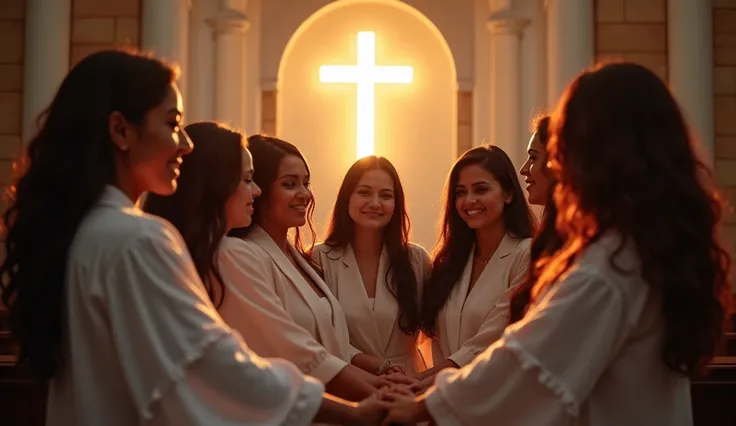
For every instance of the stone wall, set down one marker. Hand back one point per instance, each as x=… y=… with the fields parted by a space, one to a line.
x=99 y=25
x=724 y=55
x=632 y=30
x=464 y=121
x=12 y=14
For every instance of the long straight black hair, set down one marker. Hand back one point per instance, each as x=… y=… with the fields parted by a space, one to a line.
x=457 y=238
x=404 y=285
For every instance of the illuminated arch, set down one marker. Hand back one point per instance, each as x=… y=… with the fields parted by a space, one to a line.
x=336 y=5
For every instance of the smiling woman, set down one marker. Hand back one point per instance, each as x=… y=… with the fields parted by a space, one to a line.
x=272 y=282
x=369 y=233
x=483 y=251
x=103 y=298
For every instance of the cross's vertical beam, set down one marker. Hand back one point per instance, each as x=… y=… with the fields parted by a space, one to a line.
x=366 y=95
x=365 y=75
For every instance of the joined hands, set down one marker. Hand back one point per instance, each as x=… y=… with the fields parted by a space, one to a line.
x=396 y=402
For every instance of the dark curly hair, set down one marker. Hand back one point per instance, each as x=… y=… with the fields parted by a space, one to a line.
x=65 y=169
x=396 y=238
x=209 y=176
x=457 y=238
x=626 y=161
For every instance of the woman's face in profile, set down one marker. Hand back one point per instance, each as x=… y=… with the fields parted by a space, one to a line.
x=150 y=154
x=534 y=170
x=239 y=207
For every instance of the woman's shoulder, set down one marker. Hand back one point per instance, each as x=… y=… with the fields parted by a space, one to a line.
x=519 y=247
x=327 y=252
x=418 y=251
x=321 y=248
x=238 y=247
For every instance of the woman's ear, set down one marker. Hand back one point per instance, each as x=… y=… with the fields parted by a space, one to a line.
x=509 y=198
x=121 y=132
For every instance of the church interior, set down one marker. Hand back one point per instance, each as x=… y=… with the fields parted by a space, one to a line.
x=453 y=74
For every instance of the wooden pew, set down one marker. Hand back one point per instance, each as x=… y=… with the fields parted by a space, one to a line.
x=22 y=400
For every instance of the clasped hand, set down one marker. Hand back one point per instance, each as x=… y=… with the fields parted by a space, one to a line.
x=394 y=403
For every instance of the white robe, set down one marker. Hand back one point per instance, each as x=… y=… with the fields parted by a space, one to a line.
x=374 y=326
x=588 y=353
x=276 y=310
x=143 y=344
x=472 y=321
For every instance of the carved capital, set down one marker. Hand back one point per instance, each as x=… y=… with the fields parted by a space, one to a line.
x=229 y=21
x=510 y=26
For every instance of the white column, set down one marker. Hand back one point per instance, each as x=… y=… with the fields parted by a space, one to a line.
x=506 y=85
x=165 y=32
x=46 y=60
x=690 y=56
x=570 y=38
x=230 y=26
x=201 y=67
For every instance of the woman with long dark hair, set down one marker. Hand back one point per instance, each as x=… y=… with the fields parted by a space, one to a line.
x=215 y=195
x=482 y=255
x=274 y=283
x=540 y=185
x=539 y=180
x=103 y=298
x=373 y=269
x=633 y=304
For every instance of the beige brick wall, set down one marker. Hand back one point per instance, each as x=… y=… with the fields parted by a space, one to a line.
x=632 y=30
x=12 y=14
x=268 y=112
x=724 y=74
x=464 y=121
x=99 y=25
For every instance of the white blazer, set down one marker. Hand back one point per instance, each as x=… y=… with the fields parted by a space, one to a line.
x=472 y=321
x=276 y=310
x=374 y=326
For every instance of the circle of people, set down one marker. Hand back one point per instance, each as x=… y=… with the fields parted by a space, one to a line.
x=157 y=274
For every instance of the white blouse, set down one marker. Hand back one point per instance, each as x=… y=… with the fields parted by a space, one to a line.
x=588 y=353
x=143 y=344
x=373 y=322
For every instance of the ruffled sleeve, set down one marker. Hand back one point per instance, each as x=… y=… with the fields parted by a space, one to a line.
x=175 y=351
x=550 y=360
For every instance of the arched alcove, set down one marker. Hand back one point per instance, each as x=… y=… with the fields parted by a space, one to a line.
x=415 y=124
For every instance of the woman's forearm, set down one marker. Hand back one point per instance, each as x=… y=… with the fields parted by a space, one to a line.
x=436 y=369
x=335 y=410
x=351 y=383
x=366 y=362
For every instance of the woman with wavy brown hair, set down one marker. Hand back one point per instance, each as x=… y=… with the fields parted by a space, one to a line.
x=540 y=186
x=633 y=304
x=373 y=269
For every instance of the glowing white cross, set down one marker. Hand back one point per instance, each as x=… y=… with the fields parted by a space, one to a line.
x=366 y=74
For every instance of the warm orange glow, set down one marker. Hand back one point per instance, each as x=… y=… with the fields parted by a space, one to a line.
x=366 y=74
